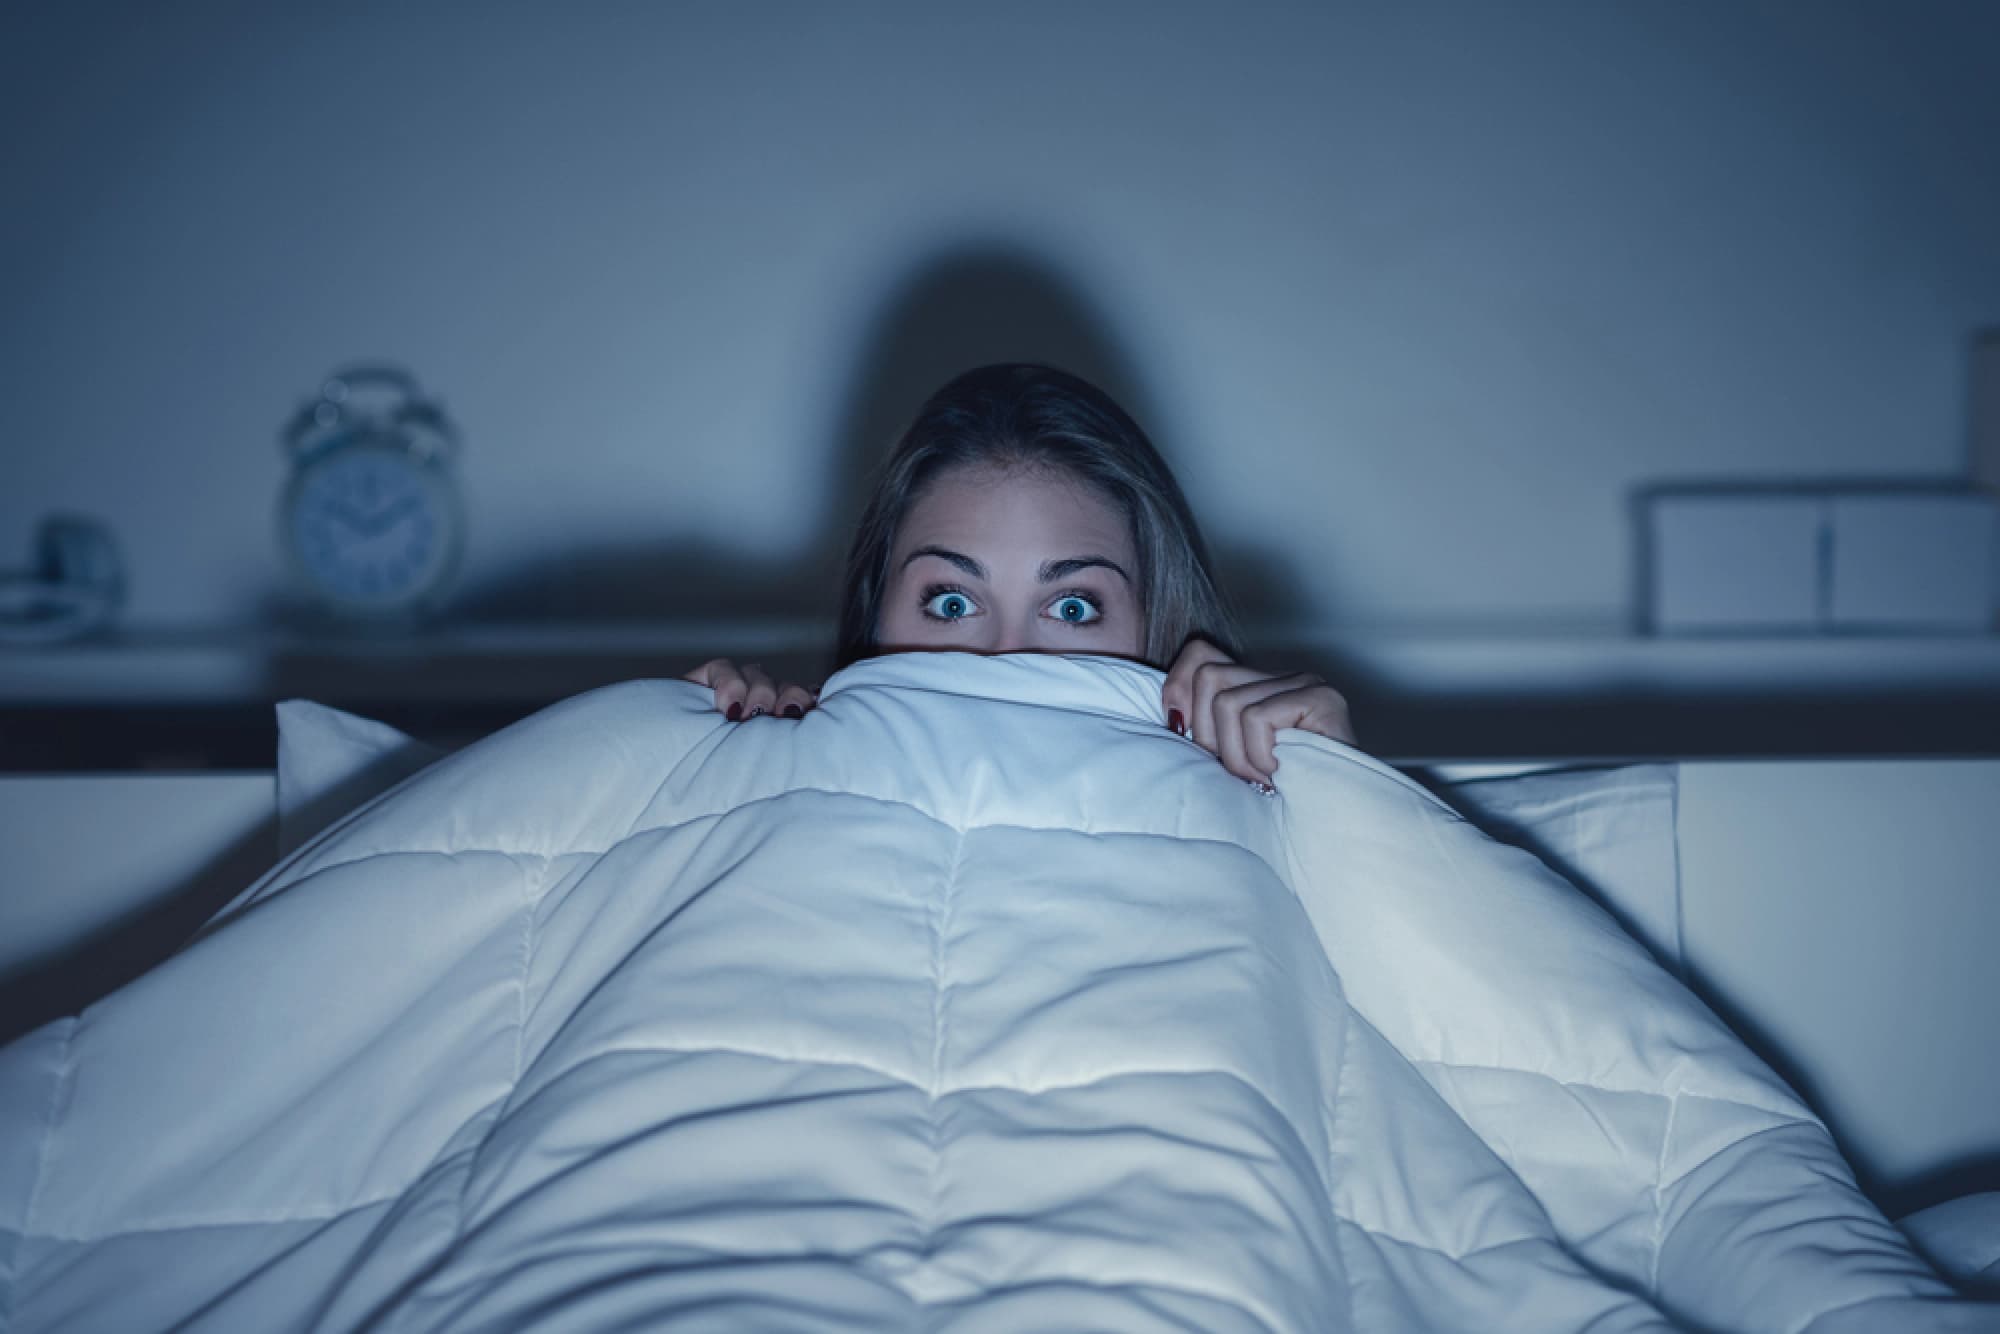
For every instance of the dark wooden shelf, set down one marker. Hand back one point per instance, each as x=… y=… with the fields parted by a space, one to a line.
x=203 y=701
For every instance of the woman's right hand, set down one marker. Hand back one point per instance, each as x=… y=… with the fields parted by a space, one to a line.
x=748 y=691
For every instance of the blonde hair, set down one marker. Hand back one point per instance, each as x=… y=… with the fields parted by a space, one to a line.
x=1022 y=415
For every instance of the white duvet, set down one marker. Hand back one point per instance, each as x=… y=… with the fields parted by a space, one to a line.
x=976 y=1000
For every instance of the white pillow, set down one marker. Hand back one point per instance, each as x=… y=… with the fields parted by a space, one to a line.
x=330 y=762
x=1610 y=831
x=1962 y=1238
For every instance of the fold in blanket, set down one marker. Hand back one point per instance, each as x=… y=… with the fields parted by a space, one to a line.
x=974 y=1000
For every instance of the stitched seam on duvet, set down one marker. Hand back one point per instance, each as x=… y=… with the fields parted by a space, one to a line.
x=261 y=1220
x=712 y=741
x=1327 y=1124
x=511 y=854
x=432 y=1169
x=910 y=1080
x=914 y=1080
x=560 y=854
x=1327 y=1128
x=832 y=792
x=1459 y=1258
x=939 y=921
x=1659 y=1198
x=1736 y=1143
x=1343 y=1247
x=255 y=1220
x=65 y=1071
x=1789 y=1117
x=1071 y=1280
x=1733 y=1144
x=531 y=897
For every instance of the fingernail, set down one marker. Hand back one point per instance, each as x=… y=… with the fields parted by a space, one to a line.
x=794 y=711
x=1176 y=722
x=736 y=712
x=1263 y=789
x=757 y=712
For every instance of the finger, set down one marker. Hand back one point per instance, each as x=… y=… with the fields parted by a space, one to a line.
x=1210 y=680
x=762 y=695
x=793 y=701
x=1177 y=692
x=1291 y=702
x=1235 y=722
x=704 y=675
x=729 y=686
x=1331 y=718
x=1322 y=710
x=1310 y=705
x=1261 y=722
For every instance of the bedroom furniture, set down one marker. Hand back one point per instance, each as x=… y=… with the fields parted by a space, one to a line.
x=201 y=699
x=1820 y=558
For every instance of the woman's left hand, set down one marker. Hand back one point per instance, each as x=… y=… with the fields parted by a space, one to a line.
x=1234 y=712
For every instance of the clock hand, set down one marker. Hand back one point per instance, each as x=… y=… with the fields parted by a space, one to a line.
x=347 y=518
x=386 y=519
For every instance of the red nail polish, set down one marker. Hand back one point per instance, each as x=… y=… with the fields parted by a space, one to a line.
x=1176 y=722
x=736 y=712
x=794 y=711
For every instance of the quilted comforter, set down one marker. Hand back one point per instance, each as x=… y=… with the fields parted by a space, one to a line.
x=975 y=1000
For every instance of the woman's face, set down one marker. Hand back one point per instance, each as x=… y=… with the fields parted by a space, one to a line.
x=992 y=561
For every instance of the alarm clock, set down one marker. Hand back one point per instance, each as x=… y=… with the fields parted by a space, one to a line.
x=370 y=522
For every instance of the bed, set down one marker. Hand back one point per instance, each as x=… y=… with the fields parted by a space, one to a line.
x=1579 y=1142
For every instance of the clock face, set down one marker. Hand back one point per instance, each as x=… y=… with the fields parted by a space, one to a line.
x=373 y=530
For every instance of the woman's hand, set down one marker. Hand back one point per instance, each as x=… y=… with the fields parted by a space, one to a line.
x=1234 y=712
x=747 y=691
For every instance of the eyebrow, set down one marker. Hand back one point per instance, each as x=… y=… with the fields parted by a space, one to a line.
x=1051 y=570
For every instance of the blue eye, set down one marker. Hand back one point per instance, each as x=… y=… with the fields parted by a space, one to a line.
x=947 y=604
x=1076 y=611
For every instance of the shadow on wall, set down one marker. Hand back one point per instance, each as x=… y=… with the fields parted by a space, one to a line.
x=64 y=982
x=970 y=306
x=1896 y=1197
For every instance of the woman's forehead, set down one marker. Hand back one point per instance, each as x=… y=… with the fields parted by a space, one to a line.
x=1031 y=516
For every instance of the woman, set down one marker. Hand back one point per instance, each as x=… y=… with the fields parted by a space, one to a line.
x=1024 y=512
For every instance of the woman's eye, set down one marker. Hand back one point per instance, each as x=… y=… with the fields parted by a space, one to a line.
x=1075 y=610
x=948 y=606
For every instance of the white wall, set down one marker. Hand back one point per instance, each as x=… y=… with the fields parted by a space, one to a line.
x=1412 y=295
x=1842 y=917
